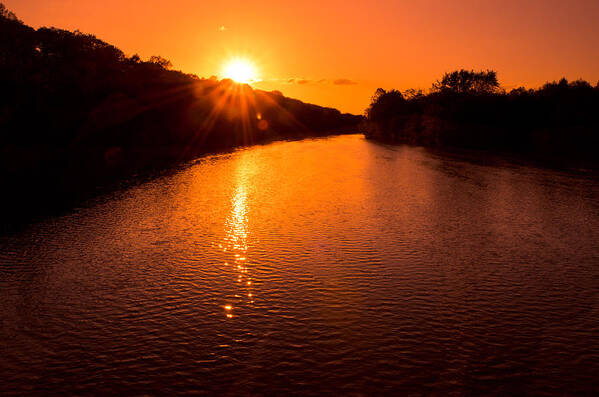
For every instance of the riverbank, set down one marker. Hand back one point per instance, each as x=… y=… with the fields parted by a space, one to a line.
x=469 y=110
x=550 y=160
x=77 y=113
x=47 y=181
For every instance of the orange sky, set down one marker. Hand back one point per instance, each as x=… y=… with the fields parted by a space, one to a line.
x=365 y=44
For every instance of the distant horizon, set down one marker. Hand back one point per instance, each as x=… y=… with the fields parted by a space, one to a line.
x=340 y=65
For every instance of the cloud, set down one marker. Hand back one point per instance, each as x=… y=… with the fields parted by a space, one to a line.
x=295 y=80
x=302 y=81
x=344 y=82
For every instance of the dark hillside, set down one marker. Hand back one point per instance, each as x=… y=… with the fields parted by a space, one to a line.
x=76 y=111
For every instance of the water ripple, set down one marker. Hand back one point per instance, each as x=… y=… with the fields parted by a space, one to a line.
x=331 y=266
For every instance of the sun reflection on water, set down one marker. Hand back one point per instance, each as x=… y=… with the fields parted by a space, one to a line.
x=236 y=233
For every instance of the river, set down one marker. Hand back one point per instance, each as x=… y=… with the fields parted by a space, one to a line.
x=327 y=266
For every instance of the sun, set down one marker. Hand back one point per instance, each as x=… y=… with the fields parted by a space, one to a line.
x=240 y=70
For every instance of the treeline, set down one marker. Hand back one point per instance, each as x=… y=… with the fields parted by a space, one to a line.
x=74 y=109
x=468 y=109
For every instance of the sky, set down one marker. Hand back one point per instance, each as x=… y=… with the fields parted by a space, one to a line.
x=337 y=53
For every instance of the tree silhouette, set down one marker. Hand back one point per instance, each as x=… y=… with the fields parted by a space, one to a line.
x=6 y=14
x=385 y=104
x=469 y=109
x=468 y=81
x=160 y=61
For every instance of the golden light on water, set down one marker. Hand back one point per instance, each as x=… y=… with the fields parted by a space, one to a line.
x=240 y=70
x=237 y=233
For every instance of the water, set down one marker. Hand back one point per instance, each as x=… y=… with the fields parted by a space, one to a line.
x=334 y=266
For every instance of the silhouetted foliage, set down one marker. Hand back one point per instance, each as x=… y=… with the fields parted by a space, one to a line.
x=74 y=109
x=468 y=81
x=468 y=109
x=7 y=14
x=160 y=61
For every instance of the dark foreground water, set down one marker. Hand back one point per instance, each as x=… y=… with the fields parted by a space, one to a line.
x=332 y=266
